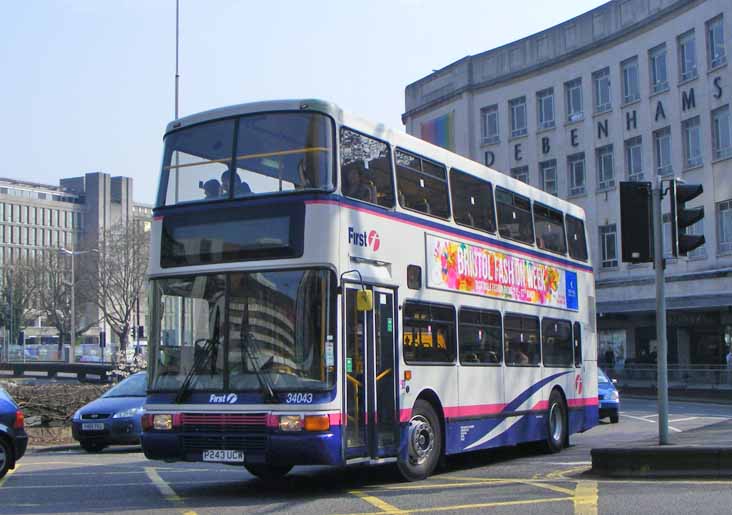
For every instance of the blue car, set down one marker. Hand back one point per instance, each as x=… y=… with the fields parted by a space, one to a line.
x=114 y=418
x=13 y=438
x=608 y=397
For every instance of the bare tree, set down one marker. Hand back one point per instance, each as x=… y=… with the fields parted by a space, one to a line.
x=53 y=274
x=122 y=267
x=18 y=294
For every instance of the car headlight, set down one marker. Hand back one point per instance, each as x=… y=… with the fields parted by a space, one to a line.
x=77 y=415
x=614 y=396
x=130 y=412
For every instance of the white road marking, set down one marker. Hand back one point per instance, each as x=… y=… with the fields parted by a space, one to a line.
x=569 y=463
x=643 y=419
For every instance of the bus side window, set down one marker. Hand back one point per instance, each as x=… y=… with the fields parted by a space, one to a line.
x=577 y=345
x=366 y=169
x=480 y=337
x=576 y=236
x=521 y=340
x=549 y=228
x=472 y=201
x=429 y=333
x=556 y=337
x=514 y=216
x=422 y=185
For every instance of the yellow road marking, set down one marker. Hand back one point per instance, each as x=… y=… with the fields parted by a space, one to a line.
x=530 y=482
x=161 y=485
x=10 y=472
x=375 y=501
x=561 y=474
x=470 y=506
x=585 y=498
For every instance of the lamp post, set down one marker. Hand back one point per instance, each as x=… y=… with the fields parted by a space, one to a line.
x=74 y=253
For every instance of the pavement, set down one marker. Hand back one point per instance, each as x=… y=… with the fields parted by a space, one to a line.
x=689 y=454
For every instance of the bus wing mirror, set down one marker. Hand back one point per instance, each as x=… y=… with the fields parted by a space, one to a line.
x=364 y=300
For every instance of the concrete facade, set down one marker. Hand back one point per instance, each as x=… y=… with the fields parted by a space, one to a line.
x=596 y=98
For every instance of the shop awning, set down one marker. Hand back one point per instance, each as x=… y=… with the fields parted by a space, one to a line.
x=718 y=301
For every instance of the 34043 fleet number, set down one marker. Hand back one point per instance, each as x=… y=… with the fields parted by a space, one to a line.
x=299 y=398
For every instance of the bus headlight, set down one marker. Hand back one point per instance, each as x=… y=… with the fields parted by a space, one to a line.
x=163 y=422
x=290 y=423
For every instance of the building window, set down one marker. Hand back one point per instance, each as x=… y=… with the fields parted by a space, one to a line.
x=518 y=116
x=573 y=93
x=631 y=86
x=520 y=173
x=662 y=151
x=715 y=42
x=725 y=225
x=576 y=167
x=691 y=130
x=607 y=246
x=601 y=81
x=548 y=176
x=545 y=108
x=634 y=159
x=687 y=56
x=721 y=137
x=697 y=229
x=605 y=173
x=489 y=124
x=657 y=62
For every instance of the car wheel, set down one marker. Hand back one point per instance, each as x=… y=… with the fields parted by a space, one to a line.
x=268 y=472
x=92 y=446
x=5 y=457
x=424 y=443
x=614 y=418
x=556 y=423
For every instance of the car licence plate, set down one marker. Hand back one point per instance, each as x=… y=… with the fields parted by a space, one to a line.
x=92 y=426
x=225 y=456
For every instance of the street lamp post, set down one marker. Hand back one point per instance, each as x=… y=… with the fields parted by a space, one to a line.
x=73 y=253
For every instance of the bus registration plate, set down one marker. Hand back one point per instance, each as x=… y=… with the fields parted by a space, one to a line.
x=225 y=456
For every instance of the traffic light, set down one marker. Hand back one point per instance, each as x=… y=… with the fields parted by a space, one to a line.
x=102 y=339
x=682 y=217
x=141 y=331
x=636 y=231
x=21 y=337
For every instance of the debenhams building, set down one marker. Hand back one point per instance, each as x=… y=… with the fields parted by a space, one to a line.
x=633 y=90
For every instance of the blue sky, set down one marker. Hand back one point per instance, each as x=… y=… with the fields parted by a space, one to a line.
x=87 y=85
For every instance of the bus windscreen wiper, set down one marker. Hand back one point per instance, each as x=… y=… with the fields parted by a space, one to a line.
x=200 y=360
x=265 y=385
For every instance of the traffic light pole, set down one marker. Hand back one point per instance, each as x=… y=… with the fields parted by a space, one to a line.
x=662 y=351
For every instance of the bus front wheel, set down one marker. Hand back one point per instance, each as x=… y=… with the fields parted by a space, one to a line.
x=424 y=443
x=556 y=424
x=268 y=472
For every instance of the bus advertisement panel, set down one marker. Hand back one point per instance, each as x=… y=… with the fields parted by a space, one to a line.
x=460 y=266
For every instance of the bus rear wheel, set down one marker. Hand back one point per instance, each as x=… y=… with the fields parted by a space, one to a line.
x=556 y=423
x=268 y=472
x=424 y=443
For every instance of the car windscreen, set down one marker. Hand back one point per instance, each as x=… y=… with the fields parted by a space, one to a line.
x=601 y=377
x=133 y=386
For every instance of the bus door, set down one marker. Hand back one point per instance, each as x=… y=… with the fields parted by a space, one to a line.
x=371 y=425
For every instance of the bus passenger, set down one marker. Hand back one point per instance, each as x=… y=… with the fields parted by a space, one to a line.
x=354 y=187
x=212 y=188
x=241 y=188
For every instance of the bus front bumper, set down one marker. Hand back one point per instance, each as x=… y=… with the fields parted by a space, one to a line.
x=274 y=448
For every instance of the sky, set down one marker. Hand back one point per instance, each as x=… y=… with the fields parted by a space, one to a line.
x=88 y=85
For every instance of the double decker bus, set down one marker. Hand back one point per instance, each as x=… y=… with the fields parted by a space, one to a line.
x=328 y=291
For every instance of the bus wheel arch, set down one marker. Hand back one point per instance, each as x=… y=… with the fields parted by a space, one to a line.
x=557 y=421
x=425 y=438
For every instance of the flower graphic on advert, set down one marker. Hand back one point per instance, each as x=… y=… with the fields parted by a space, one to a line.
x=452 y=277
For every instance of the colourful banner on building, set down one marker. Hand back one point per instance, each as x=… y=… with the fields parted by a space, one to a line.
x=463 y=267
x=440 y=131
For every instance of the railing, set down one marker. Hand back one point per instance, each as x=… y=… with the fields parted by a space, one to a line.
x=687 y=376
